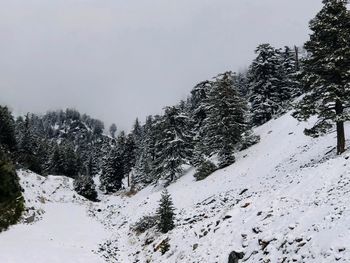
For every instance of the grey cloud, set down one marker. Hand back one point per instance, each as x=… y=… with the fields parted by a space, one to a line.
x=118 y=59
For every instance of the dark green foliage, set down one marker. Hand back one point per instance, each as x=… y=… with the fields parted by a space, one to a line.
x=291 y=85
x=145 y=223
x=65 y=161
x=326 y=72
x=145 y=158
x=164 y=246
x=85 y=186
x=265 y=82
x=173 y=148
x=165 y=213
x=11 y=200
x=112 y=172
x=249 y=139
x=29 y=147
x=129 y=154
x=7 y=129
x=204 y=170
x=226 y=157
x=225 y=121
x=39 y=137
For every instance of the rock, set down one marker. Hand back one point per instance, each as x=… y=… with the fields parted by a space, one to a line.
x=234 y=257
x=227 y=217
x=30 y=219
x=256 y=230
x=195 y=246
x=243 y=191
x=245 y=205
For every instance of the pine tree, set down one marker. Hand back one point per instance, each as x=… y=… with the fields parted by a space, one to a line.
x=205 y=169
x=327 y=72
x=291 y=86
x=92 y=168
x=265 y=81
x=57 y=161
x=129 y=156
x=72 y=162
x=145 y=158
x=28 y=147
x=112 y=172
x=11 y=200
x=137 y=134
x=225 y=121
x=85 y=186
x=198 y=115
x=165 y=213
x=7 y=129
x=174 y=147
x=241 y=83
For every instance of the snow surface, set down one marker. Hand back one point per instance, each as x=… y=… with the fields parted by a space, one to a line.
x=285 y=199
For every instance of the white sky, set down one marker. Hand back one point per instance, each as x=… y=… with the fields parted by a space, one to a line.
x=119 y=59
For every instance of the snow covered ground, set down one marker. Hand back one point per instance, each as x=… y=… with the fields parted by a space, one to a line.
x=285 y=199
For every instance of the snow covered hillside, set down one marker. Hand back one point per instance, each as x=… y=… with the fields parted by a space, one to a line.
x=285 y=199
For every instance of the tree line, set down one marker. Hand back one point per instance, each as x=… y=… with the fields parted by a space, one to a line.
x=205 y=130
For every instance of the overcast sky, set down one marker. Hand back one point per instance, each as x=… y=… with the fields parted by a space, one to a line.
x=119 y=59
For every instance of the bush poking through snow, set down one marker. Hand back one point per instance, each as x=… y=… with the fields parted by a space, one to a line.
x=84 y=186
x=166 y=214
x=163 y=246
x=204 y=170
x=145 y=223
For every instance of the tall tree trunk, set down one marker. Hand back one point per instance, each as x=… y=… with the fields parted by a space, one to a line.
x=340 y=128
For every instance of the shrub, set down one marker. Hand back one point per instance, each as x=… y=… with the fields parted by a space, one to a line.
x=85 y=186
x=145 y=223
x=204 y=170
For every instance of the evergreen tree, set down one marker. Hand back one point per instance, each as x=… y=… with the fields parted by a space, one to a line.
x=28 y=148
x=174 y=146
x=85 y=186
x=112 y=172
x=11 y=200
x=145 y=158
x=7 y=129
x=72 y=162
x=265 y=84
x=205 y=169
x=129 y=155
x=199 y=112
x=57 y=161
x=92 y=168
x=137 y=133
x=327 y=71
x=241 y=83
x=291 y=86
x=165 y=213
x=225 y=121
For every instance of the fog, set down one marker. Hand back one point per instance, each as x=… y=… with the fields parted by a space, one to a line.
x=117 y=60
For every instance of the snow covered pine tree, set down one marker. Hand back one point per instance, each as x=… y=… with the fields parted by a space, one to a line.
x=165 y=213
x=225 y=121
x=327 y=72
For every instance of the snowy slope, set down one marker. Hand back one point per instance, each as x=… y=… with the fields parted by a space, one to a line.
x=284 y=200
x=61 y=231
